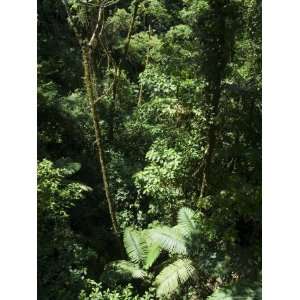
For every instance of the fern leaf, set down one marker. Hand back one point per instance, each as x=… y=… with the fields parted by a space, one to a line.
x=186 y=221
x=153 y=249
x=169 y=239
x=135 y=245
x=152 y=254
x=123 y=270
x=174 y=275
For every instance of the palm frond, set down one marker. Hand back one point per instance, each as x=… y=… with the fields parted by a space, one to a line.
x=153 y=249
x=173 y=276
x=186 y=222
x=153 y=253
x=169 y=238
x=135 y=245
x=123 y=270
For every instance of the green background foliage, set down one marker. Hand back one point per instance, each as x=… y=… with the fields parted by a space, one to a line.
x=180 y=118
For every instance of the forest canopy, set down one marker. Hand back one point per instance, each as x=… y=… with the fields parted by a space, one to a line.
x=149 y=149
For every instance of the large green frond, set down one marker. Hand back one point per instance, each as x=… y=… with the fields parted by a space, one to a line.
x=173 y=276
x=135 y=245
x=68 y=166
x=168 y=238
x=122 y=270
x=152 y=254
x=153 y=250
x=127 y=267
x=186 y=220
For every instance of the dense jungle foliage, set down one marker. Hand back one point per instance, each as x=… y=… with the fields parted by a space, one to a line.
x=149 y=149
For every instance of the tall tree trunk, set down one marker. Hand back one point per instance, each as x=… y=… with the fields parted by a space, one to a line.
x=112 y=108
x=217 y=62
x=92 y=97
x=87 y=46
x=212 y=136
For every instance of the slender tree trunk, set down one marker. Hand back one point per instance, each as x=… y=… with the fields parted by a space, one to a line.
x=212 y=136
x=91 y=93
x=112 y=108
x=218 y=64
x=87 y=46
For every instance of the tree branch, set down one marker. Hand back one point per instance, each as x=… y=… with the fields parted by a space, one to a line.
x=97 y=27
x=130 y=30
x=71 y=22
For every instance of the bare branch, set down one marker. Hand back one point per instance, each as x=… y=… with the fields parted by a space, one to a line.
x=105 y=94
x=97 y=27
x=71 y=22
x=103 y=4
x=107 y=52
x=130 y=30
x=109 y=3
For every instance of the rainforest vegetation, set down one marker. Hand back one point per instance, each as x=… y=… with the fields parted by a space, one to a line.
x=149 y=149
